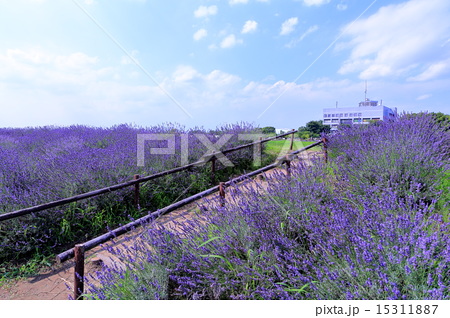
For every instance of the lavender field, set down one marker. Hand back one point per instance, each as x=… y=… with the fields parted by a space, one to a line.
x=40 y=165
x=372 y=223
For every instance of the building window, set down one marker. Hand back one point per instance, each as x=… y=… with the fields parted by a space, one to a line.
x=346 y=121
x=327 y=120
x=346 y=115
x=359 y=114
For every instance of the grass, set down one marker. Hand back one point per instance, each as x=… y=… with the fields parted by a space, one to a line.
x=443 y=203
x=30 y=268
x=276 y=147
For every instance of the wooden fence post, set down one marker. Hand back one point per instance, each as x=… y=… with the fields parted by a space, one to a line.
x=222 y=193
x=291 y=147
x=257 y=156
x=78 y=287
x=136 y=193
x=288 y=166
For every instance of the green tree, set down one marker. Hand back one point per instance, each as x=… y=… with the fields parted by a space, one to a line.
x=304 y=135
x=313 y=129
x=268 y=130
x=442 y=119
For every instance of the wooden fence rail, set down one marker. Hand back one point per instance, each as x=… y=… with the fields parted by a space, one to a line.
x=209 y=157
x=151 y=216
x=62 y=257
x=78 y=251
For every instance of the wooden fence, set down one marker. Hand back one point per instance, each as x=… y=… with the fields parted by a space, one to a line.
x=210 y=157
x=79 y=250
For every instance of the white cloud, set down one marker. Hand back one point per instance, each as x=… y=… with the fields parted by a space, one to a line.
x=232 y=2
x=230 y=41
x=74 y=89
x=185 y=73
x=200 y=34
x=216 y=90
x=42 y=88
x=310 y=30
x=212 y=47
x=342 y=7
x=202 y=91
x=74 y=61
x=218 y=79
x=432 y=71
x=42 y=68
x=130 y=60
x=423 y=97
x=288 y=26
x=249 y=26
x=392 y=42
x=204 y=11
x=315 y=2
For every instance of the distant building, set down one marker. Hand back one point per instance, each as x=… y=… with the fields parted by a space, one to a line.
x=366 y=112
x=282 y=130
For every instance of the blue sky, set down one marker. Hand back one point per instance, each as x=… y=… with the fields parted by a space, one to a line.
x=213 y=62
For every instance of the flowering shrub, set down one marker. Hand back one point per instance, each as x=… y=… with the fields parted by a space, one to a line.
x=327 y=232
x=40 y=165
x=407 y=157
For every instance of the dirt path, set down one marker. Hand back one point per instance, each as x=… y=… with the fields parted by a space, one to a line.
x=56 y=283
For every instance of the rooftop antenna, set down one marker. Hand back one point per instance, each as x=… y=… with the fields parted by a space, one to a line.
x=336 y=104
x=365 y=93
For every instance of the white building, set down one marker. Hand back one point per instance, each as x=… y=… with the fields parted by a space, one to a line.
x=280 y=130
x=366 y=112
